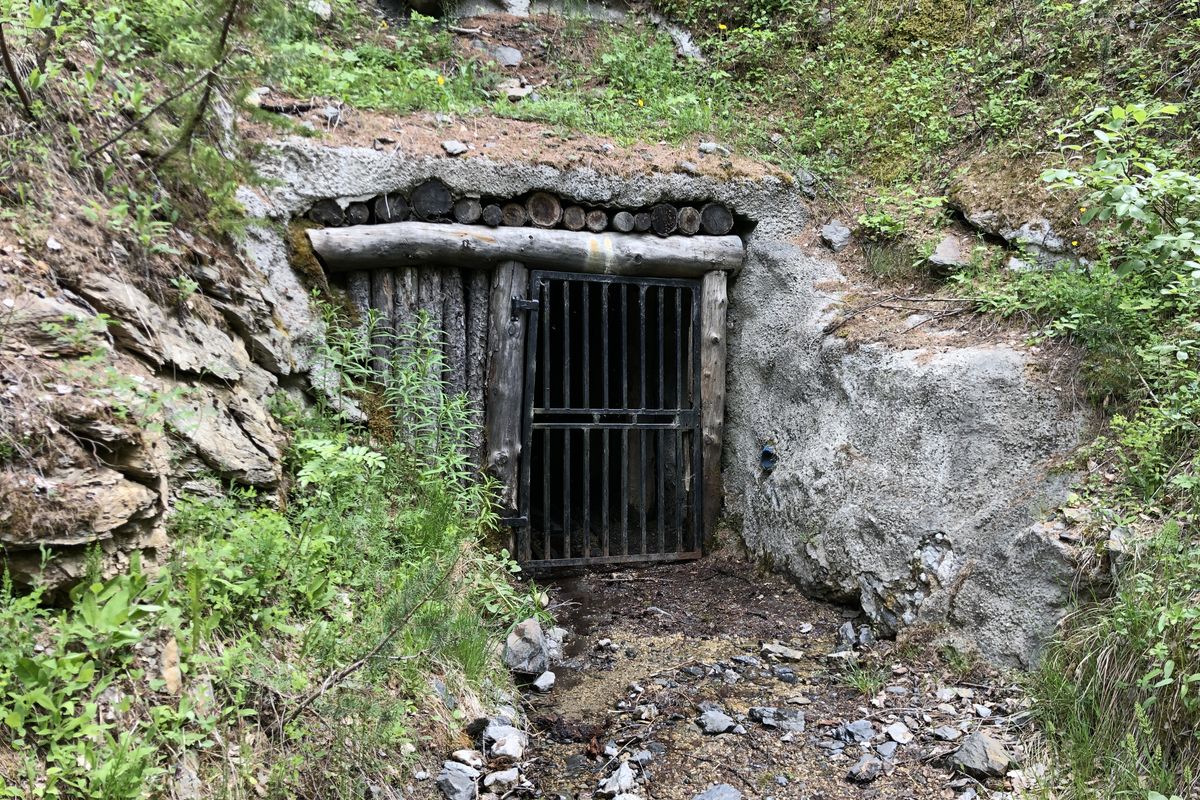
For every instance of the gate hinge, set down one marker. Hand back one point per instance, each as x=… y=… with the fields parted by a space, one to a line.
x=521 y=304
x=514 y=522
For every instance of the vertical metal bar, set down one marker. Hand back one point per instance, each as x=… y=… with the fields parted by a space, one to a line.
x=566 y=471
x=662 y=370
x=644 y=350
x=566 y=360
x=545 y=294
x=660 y=467
x=568 y=549
x=605 y=433
x=624 y=346
x=697 y=442
x=625 y=494
x=680 y=346
x=680 y=492
x=585 y=342
x=604 y=329
x=525 y=534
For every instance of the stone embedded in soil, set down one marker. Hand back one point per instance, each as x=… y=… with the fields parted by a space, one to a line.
x=785 y=674
x=620 y=782
x=722 y=791
x=507 y=741
x=525 y=649
x=947 y=733
x=898 y=732
x=835 y=235
x=544 y=682
x=788 y=719
x=457 y=781
x=782 y=652
x=454 y=147
x=502 y=780
x=713 y=720
x=866 y=769
x=507 y=56
x=886 y=749
x=847 y=636
x=981 y=756
x=859 y=731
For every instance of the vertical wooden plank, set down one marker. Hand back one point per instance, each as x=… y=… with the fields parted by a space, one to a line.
x=429 y=303
x=478 y=287
x=454 y=324
x=506 y=379
x=404 y=312
x=712 y=394
x=358 y=289
x=383 y=301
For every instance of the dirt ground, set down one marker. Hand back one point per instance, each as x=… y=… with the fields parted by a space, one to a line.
x=651 y=644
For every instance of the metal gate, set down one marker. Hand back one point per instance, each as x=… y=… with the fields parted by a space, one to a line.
x=611 y=438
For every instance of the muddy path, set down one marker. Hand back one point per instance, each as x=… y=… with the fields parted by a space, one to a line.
x=654 y=648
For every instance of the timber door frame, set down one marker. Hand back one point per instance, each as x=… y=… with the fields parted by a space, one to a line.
x=678 y=424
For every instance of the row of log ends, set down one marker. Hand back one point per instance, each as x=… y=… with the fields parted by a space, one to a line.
x=433 y=201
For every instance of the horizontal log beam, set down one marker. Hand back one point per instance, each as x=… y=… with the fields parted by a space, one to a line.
x=411 y=243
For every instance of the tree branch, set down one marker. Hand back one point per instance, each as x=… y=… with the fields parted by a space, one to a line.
x=189 y=129
x=13 y=77
x=138 y=122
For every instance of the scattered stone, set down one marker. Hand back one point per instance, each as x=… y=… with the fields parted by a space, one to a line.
x=866 y=769
x=457 y=781
x=787 y=719
x=504 y=779
x=513 y=89
x=781 y=780
x=53 y=244
x=576 y=764
x=713 y=720
x=983 y=712
x=420 y=776
x=507 y=56
x=454 y=147
x=859 y=731
x=544 y=682
x=782 y=652
x=949 y=256
x=847 y=636
x=899 y=733
x=709 y=148
x=981 y=756
x=525 y=649
x=642 y=757
x=866 y=636
x=947 y=733
x=722 y=791
x=472 y=758
x=886 y=749
x=320 y=9
x=621 y=781
x=506 y=740
x=785 y=674
x=689 y=168
x=835 y=235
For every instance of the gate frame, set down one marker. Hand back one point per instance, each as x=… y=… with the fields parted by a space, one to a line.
x=700 y=366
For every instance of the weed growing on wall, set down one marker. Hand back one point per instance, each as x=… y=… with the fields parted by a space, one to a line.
x=273 y=632
x=1120 y=694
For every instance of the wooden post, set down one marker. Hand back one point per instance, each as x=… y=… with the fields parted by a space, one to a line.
x=712 y=395
x=478 y=287
x=506 y=379
x=383 y=300
x=358 y=289
x=454 y=321
x=429 y=301
x=404 y=312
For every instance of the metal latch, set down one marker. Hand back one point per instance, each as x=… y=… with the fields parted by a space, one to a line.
x=521 y=304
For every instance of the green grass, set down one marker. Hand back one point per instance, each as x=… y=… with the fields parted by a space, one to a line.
x=291 y=626
x=867 y=680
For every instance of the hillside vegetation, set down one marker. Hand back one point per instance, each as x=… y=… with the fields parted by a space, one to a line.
x=120 y=115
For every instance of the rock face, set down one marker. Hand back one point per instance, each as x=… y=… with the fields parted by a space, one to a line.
x=908 y=480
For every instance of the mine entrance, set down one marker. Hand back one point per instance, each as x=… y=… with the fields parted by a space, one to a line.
x=611 y=433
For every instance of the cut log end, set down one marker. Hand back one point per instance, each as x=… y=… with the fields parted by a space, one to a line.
x=327 y=213
x=689 y=221
x=390 y=208
x=431 y=200
x=467 y=210
x=716 y=219
x=358 y=214
x=622 y=221
x=544 y=209
x=596 y=220
x=641 y=221
x=514 y=215
x=574 y=218
x=664 y=219
x=492 y=215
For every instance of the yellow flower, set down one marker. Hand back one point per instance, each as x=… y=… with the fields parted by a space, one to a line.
x=641 y=102
x=1082 y=209
x=1074 y=243
x=721 y=26
x=441 y=81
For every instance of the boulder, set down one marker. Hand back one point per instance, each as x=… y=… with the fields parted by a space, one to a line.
x=525 y=650
x=981 y=757
x=836 y=235
x=458 y=781
x=949 y=256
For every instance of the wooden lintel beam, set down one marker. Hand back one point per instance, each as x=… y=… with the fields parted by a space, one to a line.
x=410 y=243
